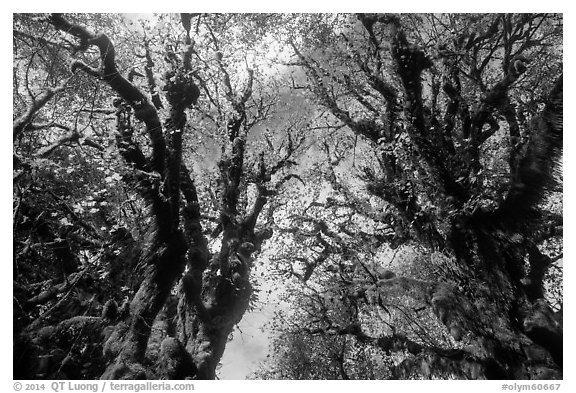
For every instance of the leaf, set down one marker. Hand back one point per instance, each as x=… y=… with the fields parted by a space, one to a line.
x=64 y=221
x=113 y=178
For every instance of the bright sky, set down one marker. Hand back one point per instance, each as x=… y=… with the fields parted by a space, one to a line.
x=251 y=338
x=248 y=347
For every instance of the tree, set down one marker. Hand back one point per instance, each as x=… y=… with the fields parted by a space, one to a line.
x=213 y=281
x=464 y=117
x=156 y=161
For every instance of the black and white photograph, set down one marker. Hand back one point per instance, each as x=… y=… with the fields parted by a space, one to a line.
x=287 y=196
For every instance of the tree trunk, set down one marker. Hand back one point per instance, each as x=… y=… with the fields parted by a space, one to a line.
x=164 y=266
x=205 y=325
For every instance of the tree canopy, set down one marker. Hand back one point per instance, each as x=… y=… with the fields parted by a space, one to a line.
x=395 y=178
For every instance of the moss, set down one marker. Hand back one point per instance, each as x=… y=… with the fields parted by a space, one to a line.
x=127 y=371
x=113 y=344
x=174 y=362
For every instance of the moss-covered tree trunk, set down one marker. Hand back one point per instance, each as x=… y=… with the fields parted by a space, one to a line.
x=215 y=291
x=157 y=178
x=521 y=333
x=494 y=304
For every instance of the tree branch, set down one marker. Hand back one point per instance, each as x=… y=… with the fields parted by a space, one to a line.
x=24 y=120
x=143 y=110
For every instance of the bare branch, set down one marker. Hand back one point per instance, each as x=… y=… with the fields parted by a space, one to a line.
x=38 y=103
